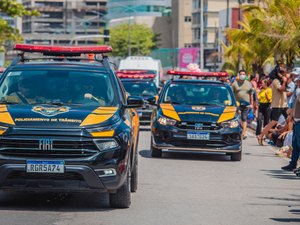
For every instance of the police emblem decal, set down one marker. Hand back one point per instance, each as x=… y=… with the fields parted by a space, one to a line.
x=50 y=111
x=198 y=108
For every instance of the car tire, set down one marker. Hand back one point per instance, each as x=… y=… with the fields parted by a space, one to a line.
x=134 y=176
x=236 y=156
x=155 y=152
x=122 y=198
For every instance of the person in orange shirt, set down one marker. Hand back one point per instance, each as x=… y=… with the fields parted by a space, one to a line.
x=265 y=99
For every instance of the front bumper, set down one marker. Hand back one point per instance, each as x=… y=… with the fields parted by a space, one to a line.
x=171 y=138
x=76 y=178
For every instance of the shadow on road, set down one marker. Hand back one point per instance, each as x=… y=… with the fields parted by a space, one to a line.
x=293 y=201
x=263 y=154
x=145 y=128
x=286 y=220
x=198 y=156
x=81 y=202
x=280 y=174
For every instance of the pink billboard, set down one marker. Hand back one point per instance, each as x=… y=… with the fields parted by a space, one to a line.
x=188 y=55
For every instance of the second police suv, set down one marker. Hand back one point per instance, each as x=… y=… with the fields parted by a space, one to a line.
x=66 y=124
x=196 y=115
x=140 y=83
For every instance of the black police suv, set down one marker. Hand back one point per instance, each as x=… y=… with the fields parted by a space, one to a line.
x=196 y=115
x=66 y=125
x=143 y=85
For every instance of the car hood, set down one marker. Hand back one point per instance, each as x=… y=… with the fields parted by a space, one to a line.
x=188 y=113
x=50 y=116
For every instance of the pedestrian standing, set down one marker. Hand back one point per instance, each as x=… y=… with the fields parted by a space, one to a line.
x=265 y=98
x=296 y=137
x=290 y=88
x=278 y=105
x=243 y=93
x=297 y=90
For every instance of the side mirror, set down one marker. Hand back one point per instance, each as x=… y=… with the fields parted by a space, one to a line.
x=134 y=102
x=152 y=100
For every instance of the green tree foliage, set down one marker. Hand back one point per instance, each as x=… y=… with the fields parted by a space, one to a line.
x=14 y=9
x=142 y=39
x=270 y=30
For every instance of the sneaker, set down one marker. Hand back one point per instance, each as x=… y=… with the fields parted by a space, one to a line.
x=288 y=168
x=297 y=170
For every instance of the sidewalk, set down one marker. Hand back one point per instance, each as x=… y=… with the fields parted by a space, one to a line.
x=252 y=125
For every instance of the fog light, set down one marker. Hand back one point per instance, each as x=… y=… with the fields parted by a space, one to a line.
x=106 y=172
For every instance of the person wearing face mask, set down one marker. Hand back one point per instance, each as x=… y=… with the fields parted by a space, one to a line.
x=278 y=105
x=243 y=93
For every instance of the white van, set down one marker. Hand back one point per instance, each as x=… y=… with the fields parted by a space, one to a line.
x=143 y=63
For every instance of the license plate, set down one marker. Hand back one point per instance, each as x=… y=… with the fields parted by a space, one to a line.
x=198 y=135
x=33 y=166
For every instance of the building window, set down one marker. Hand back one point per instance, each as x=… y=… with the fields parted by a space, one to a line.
x=188 y=45
x=187 y=19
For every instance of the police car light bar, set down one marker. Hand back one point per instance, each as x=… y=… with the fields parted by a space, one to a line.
x=132 y=71
x=197 y=74
x=67 y=50
x=136 y=76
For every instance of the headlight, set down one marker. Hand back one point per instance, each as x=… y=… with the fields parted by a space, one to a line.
x=230 y=123
x=166 y=121
x=104 y=145
x=3 y=129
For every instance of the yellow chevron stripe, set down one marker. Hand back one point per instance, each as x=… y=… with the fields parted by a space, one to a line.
x=169 y=111
x=99 y=115
x=5 y=116
x=108 y=133
x=228 y=114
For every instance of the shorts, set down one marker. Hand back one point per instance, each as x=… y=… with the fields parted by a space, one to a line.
x=244 y=110
x=276 y=113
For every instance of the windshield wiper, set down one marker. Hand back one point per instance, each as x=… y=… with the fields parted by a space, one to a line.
x=8 y=102
x=176 y=103
x=59 y=103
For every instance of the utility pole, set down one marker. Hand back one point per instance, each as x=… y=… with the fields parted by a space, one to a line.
x=240 y=27
x=201 y=36
x=129 y=33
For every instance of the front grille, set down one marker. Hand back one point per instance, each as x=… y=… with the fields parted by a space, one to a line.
x=198 y=126
x=20 y=147
x=44 y=176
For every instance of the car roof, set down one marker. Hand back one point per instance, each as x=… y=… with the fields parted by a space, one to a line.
x=59 y=64
x=137 y=80
x=196 y=81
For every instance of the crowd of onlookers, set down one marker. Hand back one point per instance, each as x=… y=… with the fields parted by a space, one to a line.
x=270 y=101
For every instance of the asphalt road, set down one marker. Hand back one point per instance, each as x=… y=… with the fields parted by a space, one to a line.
x=178 y=189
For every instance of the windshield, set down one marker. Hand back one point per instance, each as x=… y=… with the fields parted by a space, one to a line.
x=57 y=87
x=197 y=94
x=141 y=89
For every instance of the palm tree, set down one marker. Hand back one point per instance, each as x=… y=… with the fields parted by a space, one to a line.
x=268 y=31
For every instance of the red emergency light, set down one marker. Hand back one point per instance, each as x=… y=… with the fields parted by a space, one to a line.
x=132 y=71
x=2 y=69
x=136 y=76
x=62 y=50
x=197 y=74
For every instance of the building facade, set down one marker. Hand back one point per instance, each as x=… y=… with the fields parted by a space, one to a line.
x=139 y=10
x=211 y=27
x=62 y=21
x=182 y=23
x=155 y=14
